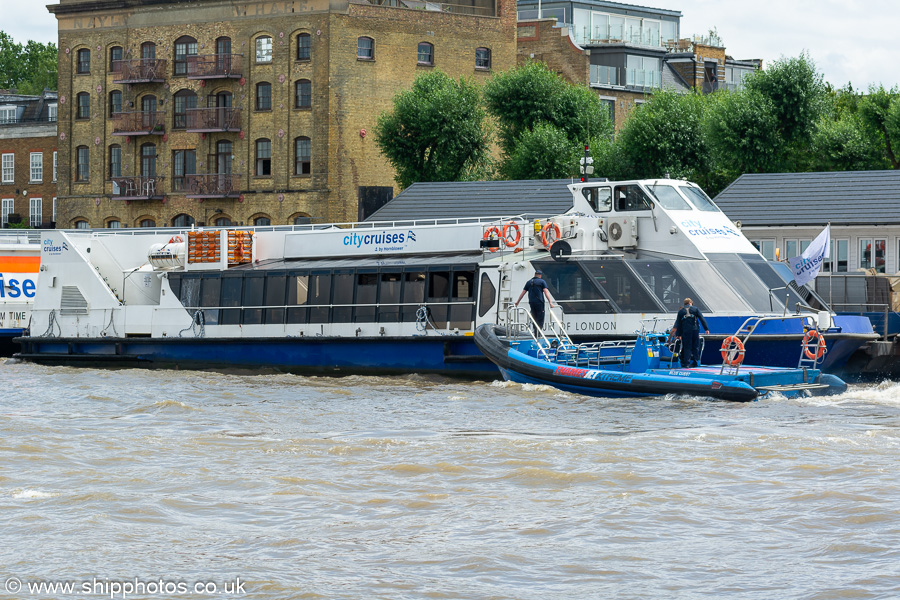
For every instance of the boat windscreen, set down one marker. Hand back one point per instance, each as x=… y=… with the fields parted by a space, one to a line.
x=710 y=286
x=669 y=286
x=810 y=297
x=748 y=285
x=668 y=197
x=699 y=198
x=573 y=289
x=621 y=286
x=778 y=286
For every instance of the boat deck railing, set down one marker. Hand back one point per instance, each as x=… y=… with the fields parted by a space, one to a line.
x=812 y=350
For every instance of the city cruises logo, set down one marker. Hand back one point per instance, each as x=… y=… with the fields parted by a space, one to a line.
x=696 y=228
x=384 y=241
x=54 y=249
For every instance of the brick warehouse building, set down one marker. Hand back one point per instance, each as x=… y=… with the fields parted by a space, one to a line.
x=224 y=112
x=28 y=159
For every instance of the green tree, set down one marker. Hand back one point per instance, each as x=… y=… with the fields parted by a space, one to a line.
x=880 y=112
x=742 y=131
x=530 y=95
x=844 y=144
x=436 y=131
x=544 y=152
x=28 y=69
x=665 y=136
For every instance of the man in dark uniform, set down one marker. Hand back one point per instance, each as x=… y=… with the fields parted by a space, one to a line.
x=687 y=327
x=536 y=289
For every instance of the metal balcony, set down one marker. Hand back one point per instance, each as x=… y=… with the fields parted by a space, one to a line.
x=139 y=70
x=211 y=120
x=212 y=186
x=151 y=122
x=215 y=66
x=137 y=188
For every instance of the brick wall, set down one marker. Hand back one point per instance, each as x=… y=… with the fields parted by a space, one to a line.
x=21 y=142
x=540 y=40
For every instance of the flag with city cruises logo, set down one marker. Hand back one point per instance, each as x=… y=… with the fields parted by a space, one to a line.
x=806 y=266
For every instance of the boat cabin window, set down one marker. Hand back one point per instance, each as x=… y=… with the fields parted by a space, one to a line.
x=574 y=289
x=699 y=198
x=669 y=198
x=747 y=284
x=780 y=286
x=488 y=295
x=343 y=295
x=621 y=286
x=667 y=284
x=718 y=295
x=600 y=198
x=632 y=197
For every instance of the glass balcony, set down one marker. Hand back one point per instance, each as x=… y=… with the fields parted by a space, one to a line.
x=211 y=120
x=215 y=66
x=151 y=122
x=602 y=75
x=212 y=185
x=137 y=188
x=139 y=70
x=643 y=79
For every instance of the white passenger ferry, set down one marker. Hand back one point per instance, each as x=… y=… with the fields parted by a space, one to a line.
x=20 y=261
x=399 y=297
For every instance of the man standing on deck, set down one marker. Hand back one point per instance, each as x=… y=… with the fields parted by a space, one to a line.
x=536 y=289
x=687 y=327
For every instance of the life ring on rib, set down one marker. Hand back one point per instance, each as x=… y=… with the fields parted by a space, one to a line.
x=813 y=345
x=492 y=233
x=732 y=351
x=549 y=234
x=504 y=235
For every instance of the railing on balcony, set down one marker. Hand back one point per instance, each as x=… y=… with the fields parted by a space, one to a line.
x=139 y=70
x=643 y=79
x=203 y=120
x=212 y=186
x=460 y=9
x=137 y=188
x=150 y=122
x=603 y=75
x=215 y=66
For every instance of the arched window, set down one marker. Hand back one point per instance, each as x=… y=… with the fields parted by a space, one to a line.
x=223 y=56
x=83 y=105
x=185 y=46
x=365 y=48
x=115 y=59
x=262 y=221
x=184 y=163
x=426 y=53
x=184 y=99
x=182 y=220
x=148 y=110
x=263 y=157
x=114 y=224
x=223 y=222
x=300 y=219
x=115 y=102
x=83 y=61
x=148 y=51
x=302 y=158
x=483 y=58
x=81 y=224
x=115 y=161
x=263 y=49
x=146 y=222
x=224 y=155
x=264 y=96
x=148 y=160
x=82 y=163
x=303 y=94
x=303 y=46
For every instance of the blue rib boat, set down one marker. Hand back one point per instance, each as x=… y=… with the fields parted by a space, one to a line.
x=649 y=366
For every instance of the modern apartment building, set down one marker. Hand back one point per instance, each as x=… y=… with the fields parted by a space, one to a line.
x=28 y=159
x=221 y=112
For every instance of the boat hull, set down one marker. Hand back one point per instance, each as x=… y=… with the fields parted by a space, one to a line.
x=446 y=355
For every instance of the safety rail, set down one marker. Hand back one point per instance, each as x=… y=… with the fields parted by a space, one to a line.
x=812 y=350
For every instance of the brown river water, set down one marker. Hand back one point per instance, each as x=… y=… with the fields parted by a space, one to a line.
x=179 y=484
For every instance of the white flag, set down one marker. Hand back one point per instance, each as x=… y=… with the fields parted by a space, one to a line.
x=807 y=265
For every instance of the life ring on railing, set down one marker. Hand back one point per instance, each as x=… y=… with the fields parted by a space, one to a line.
x=492 y=233
x=504 y=235
x=549 y=234
x=813 y=339
x=732 y=351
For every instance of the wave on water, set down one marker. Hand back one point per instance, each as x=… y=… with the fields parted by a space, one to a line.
x=885 y=393
x=26 y=494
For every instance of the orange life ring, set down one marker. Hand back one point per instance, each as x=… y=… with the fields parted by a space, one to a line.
x=732 y=351
x=489 y=234
x=504 y=234
x=813 y=339
x=549 y=234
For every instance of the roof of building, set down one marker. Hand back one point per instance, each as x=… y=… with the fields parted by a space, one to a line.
x=464 y=199
x=33 y=108
x=793 y=199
